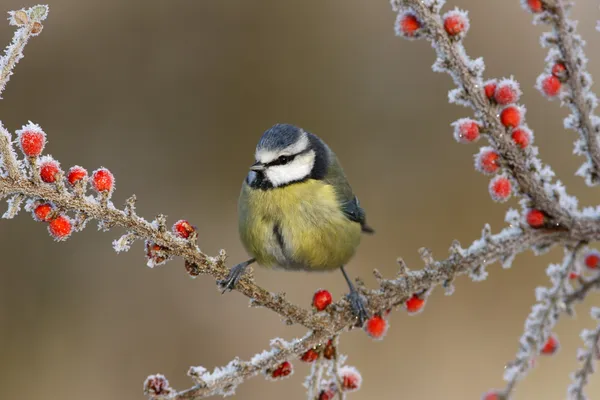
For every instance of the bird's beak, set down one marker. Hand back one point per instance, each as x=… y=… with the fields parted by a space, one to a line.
x=257 y=166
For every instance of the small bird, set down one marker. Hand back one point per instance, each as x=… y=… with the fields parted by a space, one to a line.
x=297 y=210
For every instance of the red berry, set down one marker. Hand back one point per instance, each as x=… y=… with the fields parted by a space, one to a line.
x=32 y=140
x=282 y=370
x=321 y=299
x=492 y=395
x=507 y=92
x=351 y=379
x=490 y=88
x=573 y=275
x=329 y=350
x=455 y=23
x=551 y=345
x=559 y=70
x=76 y=174
x=487 y=161
x=592 y=259
x=103 y=180
x=328 y=394
x=535 y=218
x=49 y=170
x=500 y=188
x=407 y=24
x=60 y=227
x=550 y=85
x=42 y=211
x=415 y=304
x=310 y=356
x=535 y=6
x=511 y=117
x=522 y=137
x=466 y=130
x=183 y=229
x=376 y=327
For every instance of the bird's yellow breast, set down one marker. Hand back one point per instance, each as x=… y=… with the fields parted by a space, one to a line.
x=299 y=226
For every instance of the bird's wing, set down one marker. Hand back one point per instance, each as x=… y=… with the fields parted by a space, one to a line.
x=349 y=203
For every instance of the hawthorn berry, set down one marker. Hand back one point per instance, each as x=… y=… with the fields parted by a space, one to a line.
x=183 y=229
x=351 y=378
x=535 y=218
x=282 y=370
x=592 y=259
x=328 y=394
x=32 y=140
x=500 y=188
x=491 y=395
x=511 y=117
x=456 y=22
x=103 y=180
x=551 y=345
x=549 y=85
x=310 y=355
x=466 y=130
x=415 y=304
x=535 y=6
x=42 y=211
x=376 y=327
x=329 y=350
x=487 y=160
x=407 y=24
x=321 y=299
x=49 y=170
x=76 y=174
x=522 y=137
x=489 y=88
x=559 y=70
x=507 y=92
x=60 y=227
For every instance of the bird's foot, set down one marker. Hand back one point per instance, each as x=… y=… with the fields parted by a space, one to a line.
x=359 y=307
x=236 y=272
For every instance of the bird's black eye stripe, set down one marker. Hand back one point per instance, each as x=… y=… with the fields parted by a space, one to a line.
x=282 y=160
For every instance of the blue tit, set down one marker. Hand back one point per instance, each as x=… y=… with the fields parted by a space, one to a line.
x=297 y=210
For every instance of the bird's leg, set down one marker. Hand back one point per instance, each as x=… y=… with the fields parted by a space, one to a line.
x=356 y=301
x=234 y=276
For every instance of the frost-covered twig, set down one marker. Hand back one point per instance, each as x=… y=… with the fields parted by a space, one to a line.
x=588 y=358
x=541 y=320
x=566 y=77
x=29 y=23
x=581 y=292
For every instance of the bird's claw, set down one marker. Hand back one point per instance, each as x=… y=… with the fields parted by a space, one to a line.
x=229 y=283
x=359 y=308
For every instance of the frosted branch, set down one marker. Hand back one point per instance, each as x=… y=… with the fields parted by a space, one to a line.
x=587 y=357
x=541 y=320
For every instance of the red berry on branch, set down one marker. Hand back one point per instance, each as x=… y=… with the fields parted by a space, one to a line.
x=535 y=6
x=549 y=85
x=351 y=379
x=592 y=259
x=500 y=188
x=456 y=22
x=466 y=130
x=321 y=299
x=376 y=327
x=559 y=70
x=511 y=117
x=535 y=218
x=183 y=229
x=407 y=24
x=507 y=92
x=49 y=170
x=42 y=212
x=487 y=160
x=103 y=180
x=522 y=137
x=282 y=370
x=60 y=227
x=551 y=345
x=490 y=88
x=310 y=355
x=76 y=174
x=415 y=304
x=32 y=140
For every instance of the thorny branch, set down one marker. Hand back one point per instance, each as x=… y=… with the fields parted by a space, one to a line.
x=562 y=223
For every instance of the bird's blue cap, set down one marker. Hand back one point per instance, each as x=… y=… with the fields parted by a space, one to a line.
x=279 y=136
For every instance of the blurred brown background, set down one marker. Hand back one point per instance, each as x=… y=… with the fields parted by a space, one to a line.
x=172 y=97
